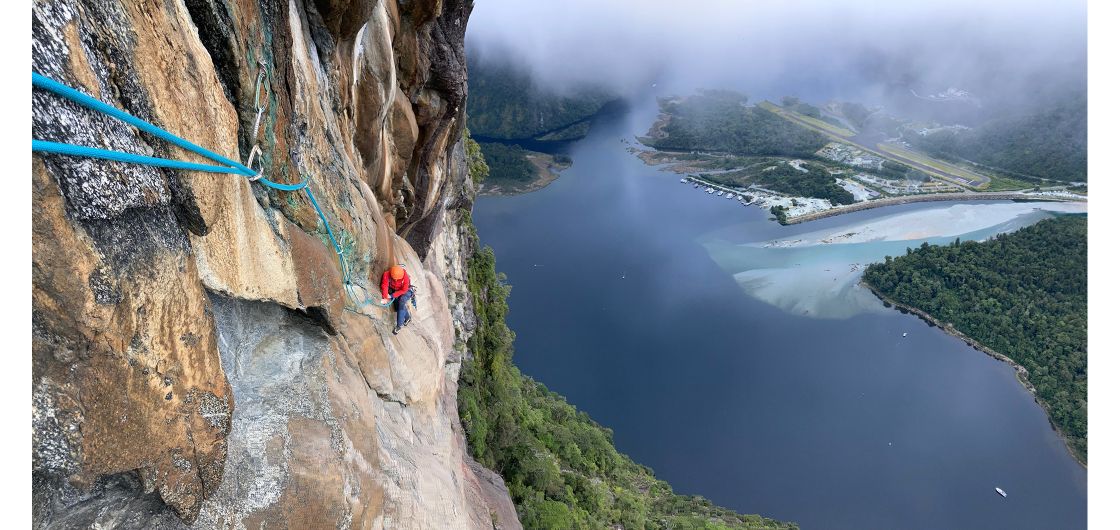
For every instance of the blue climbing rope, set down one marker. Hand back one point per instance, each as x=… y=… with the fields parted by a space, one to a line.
x=44 y=146
x=229 y=166
x=46 y=83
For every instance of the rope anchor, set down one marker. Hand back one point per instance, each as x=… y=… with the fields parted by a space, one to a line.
x=253 y=157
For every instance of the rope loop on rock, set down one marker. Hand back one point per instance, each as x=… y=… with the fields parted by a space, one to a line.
x=50 y=85
x=228 y=166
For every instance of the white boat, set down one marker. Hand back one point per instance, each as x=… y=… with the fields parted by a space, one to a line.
x=695 y=185
x=684 y=180
x=729 y=196
x=1001 y=493
x=903 y=335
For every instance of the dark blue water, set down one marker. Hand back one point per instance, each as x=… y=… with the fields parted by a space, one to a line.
x=833 y=423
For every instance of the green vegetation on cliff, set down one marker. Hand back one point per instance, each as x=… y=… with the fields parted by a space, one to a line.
x=720 y=120
x=505 y=103
x=1024 y=295
x=476 y=161
x=561 y=467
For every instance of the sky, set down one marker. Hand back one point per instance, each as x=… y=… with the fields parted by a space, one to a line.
x=999 y=50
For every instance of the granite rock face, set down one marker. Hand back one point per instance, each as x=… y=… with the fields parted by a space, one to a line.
x=196 y=359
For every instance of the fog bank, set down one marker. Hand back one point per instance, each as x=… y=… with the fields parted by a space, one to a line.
x=1003 y=52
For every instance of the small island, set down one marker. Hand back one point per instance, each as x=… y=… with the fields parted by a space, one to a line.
x=801 y=162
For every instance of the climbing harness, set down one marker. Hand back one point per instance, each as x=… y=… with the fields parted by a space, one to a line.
x=228 y=166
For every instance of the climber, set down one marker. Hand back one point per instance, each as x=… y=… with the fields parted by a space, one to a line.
x=395 y=285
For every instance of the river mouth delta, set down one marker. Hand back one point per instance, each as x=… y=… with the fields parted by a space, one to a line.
x=742 y=360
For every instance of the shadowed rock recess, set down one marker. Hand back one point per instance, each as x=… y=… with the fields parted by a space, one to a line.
x=196 y=362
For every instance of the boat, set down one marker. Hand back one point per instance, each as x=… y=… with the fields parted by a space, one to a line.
x=1001 y=493
x=904 y=335
x=684 y=180
x=695 y=185
x=719 y=194
x=729 y=196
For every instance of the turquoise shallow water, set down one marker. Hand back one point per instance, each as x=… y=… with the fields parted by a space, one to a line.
x=632 y=297
x=821 y=280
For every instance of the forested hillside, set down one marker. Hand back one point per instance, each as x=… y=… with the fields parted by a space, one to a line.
x=1051 y=143
x=1024 y=295
x=719 y=120
x=504 y=103
x=507 y=163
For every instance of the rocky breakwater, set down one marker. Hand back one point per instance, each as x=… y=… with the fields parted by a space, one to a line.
x=196 y=361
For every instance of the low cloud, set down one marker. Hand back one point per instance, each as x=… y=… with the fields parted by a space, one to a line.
x=1002 y=51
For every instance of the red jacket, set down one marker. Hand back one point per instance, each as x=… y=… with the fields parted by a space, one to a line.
x=398 y=287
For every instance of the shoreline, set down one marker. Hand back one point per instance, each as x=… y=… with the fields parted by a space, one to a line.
x=884 y=202
x=930 y=197
x=548 y=170
x=1021 y=373
x=666 y=159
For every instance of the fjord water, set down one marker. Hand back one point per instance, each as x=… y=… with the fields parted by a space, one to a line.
x=836 y=422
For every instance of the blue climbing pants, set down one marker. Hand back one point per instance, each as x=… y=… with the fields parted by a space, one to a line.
x=402 y=305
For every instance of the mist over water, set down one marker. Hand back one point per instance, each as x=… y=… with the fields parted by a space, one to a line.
x=1006 y=53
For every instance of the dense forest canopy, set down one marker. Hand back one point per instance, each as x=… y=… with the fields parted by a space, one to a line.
x=505 y=103
x=507 y=163
x=815 y=181
x=720 y=120
x=1050 y=143
x=1023 y=294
